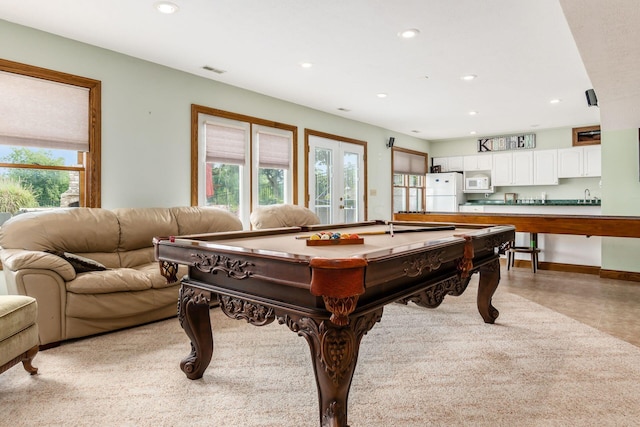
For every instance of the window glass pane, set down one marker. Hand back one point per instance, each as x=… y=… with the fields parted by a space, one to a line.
x=25 y=155
x=416 y=180
x=324 y=178
x=415 y=199
x=223 y=186
x=271 y=186
x=399 y=199
x=22 y=189
x=398 y=179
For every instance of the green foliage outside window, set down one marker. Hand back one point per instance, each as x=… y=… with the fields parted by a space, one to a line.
x=226 y=187
x=13 y=196
x=46 y=185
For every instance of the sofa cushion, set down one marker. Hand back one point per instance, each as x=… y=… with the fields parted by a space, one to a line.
x=108 y=281
x=74 y=230
x=17 y=313
x=282 y=215
x=157 y=280
x=138 y=226
x=204 y=219
x=117 y=309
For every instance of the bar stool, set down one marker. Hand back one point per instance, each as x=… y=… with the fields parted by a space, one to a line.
x=531 y=249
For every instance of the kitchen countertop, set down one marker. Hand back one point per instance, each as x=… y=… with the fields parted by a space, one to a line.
x=524 y=202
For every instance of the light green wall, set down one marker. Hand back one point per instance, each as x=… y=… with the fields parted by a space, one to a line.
x=621 y=195
x=146 y=121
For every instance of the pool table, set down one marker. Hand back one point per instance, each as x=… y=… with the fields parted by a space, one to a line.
x=329 y=292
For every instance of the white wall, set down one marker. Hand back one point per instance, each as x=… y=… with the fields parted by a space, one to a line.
x=146 y=121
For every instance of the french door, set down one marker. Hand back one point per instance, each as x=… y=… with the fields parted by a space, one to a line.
x=336 y=180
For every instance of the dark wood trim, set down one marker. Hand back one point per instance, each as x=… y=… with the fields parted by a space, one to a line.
x=620 y=275
x=426 y=165
x=579 y=140
x=568 y=268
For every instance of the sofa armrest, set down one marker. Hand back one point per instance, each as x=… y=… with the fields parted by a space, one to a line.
x=20 y=259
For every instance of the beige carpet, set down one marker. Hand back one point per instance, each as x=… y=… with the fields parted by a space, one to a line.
x=418 y=367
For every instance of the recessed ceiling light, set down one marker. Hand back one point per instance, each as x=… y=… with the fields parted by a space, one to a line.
x=166 y=7
x=382 y=95
x=555 y=101
x=473 y=132
x=469 y=77
x=409 y=33
x=306 y=64
x=473 y=113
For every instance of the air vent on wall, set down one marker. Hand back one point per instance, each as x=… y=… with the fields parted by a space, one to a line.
x=212 y=69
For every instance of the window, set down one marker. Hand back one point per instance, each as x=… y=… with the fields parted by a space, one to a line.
x=409 y=169
x=241 y=162
x=49 y=139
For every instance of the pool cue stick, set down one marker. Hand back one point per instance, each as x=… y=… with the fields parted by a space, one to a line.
x=395 y=231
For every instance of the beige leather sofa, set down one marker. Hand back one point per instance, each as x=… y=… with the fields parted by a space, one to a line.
x=124 y=286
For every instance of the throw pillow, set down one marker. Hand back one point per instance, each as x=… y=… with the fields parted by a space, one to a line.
x=80 y=264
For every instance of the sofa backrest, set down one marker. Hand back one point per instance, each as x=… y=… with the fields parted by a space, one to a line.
x=116 y=238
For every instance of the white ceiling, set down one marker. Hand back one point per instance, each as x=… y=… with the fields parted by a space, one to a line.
x=522 y=52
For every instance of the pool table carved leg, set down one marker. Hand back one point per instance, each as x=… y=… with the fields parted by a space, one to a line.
x=489 y=280
x=334 y=352
x=193 y=314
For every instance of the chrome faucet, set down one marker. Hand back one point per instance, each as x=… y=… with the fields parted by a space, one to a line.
x=587 y=195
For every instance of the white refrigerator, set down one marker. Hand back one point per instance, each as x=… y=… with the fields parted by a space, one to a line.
x=444 y=192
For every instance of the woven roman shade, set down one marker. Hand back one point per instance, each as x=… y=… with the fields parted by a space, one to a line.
x=44 y=114
x=225 y=144
x=407 y=163
x=273 y=151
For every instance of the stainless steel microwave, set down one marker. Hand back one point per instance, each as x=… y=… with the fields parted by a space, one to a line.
x=477 y=183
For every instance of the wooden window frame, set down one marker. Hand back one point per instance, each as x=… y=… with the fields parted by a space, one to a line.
x=200 y=109
x=90 y=173
x=579 y=138
x=406 y=184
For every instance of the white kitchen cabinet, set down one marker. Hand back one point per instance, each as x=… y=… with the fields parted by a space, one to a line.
x=545 y=167
x=512 y=168
x=592 y=160
x=577 y=162
x=478 y=162
x=502 y=172
x=449 y=164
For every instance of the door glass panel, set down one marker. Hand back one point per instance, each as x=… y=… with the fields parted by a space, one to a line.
x=350 y=187
x=323 y=181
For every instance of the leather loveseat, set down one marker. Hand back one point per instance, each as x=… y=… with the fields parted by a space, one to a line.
x=93 y=270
